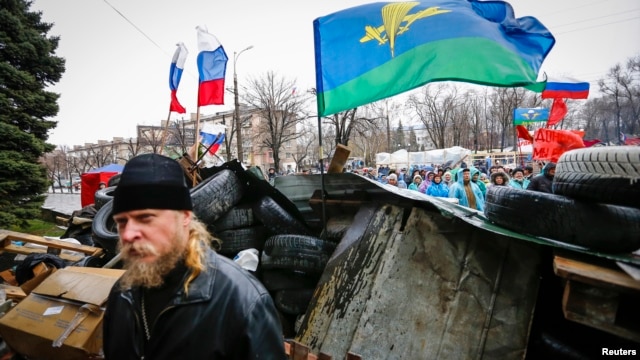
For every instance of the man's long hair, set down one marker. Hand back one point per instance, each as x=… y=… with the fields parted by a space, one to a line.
x=195 y=255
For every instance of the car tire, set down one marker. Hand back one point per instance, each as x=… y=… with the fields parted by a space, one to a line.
x=602 y=227
x=290 y=244
x=236 y=240
x=301 y=253
x=238 y=217
x=103 y=196
x=293 y=302
x=605 y=174
x=216 y=195
x=275 y=280
x=276 y=219
x=104 y=230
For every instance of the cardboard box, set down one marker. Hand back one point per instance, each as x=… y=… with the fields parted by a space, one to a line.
x=31 y=327
x=40 y=273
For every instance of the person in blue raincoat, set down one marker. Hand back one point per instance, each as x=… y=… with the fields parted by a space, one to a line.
x=466 y=191
x=475 y=178
x=518 y=181
x=438 y=188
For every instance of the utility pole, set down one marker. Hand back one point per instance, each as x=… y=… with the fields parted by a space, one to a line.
x=386 y=105
x=237 y=103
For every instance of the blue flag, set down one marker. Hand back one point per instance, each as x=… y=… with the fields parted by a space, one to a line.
x=529 y=115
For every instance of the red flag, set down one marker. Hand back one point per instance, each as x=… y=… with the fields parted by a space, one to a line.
x=549 y=144
x=590 y=143
x=523 y=133
x=558 y=111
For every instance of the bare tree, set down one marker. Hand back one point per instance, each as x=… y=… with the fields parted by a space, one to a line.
x=503 y=102
x=57 y=168
x=180 y=137
x=280 y=110
x=306 y=144
x=134 y=147
x=151 y=137
x=624 y=92
x=476 y=116
x=434 y=107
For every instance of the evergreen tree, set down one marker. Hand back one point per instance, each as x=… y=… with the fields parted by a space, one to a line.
x=27 y=67
x=413 y=140
x=399 y=139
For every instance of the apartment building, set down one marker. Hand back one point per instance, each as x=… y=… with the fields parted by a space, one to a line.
x=175 y=138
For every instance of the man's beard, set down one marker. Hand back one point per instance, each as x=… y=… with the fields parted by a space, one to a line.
x=149 y=275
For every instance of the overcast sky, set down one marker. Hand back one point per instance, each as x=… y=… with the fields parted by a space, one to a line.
x=118 y=52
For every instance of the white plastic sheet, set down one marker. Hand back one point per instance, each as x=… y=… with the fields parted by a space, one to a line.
x=402 y=158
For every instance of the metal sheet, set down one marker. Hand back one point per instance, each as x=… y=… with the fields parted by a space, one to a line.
x=432 y=288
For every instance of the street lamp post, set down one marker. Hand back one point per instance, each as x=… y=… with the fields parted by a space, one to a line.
x=237 y=104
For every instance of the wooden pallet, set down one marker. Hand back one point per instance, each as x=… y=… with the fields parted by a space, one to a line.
x=600 y=297
x=51 y=246
x=297 y=351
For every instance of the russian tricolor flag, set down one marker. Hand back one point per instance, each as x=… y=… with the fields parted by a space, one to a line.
x=212 y=136
x=175 y=74
x=212 y=66
x=566 y=88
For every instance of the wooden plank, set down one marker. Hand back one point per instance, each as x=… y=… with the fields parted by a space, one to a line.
x=13 y=292
x=50 y=246
x=598 y=308
x=24 y=250
x=299 y=351
x=339 y=159
x=593 y=274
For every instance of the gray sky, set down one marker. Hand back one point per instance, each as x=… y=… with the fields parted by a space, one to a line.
x=117 y=76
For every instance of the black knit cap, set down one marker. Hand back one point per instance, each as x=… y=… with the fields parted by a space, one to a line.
x=151 y=181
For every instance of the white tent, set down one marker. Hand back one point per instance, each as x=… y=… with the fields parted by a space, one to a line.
x=402 y=158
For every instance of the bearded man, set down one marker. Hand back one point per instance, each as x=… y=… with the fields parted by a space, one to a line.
x=178 y=299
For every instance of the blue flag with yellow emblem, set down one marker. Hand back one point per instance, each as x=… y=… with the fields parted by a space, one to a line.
x=529 y=115
x=370 y=52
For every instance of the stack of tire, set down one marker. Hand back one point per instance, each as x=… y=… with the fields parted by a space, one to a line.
x=214 y=197
x=595 y=202
x=292 y=259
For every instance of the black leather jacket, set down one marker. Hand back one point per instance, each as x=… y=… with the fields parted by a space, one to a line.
x=227 y=314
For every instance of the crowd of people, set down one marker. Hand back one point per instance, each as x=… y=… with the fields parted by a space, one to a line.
x=467 y=184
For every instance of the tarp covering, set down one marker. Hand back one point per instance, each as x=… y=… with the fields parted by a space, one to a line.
x=402 y=158
x=117 y=168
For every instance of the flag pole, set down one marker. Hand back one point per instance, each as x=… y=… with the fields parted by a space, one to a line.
x=164 y=133
x=321 y=155
x=196 y=143
x=520 y=151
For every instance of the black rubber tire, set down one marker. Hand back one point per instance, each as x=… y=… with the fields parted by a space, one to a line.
x=238 y=217
x=104 y=230
x=114 y=180
x=293 y=301
x=602 y=227
x=302 y=261
x=236 y=240
x=103 y=196
x=274 y=280
x=276 y=219
x=337 y=226
x=90 y=261
x=216 y=195
x=608 y=175
x=289 y=244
